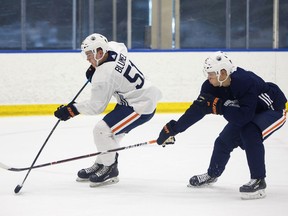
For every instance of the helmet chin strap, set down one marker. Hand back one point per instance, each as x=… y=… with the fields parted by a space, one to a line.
x=97 y=60
x=221 y=82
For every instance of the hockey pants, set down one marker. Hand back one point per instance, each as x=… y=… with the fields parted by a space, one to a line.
x=250 y=138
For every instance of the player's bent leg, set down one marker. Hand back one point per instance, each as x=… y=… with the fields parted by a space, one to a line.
x=104 y=139
x=107 y=135
x=255 y=153
x=228 y=139
x=254 y=150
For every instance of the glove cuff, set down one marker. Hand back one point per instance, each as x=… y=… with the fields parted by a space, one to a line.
x=72 y=110
x=169 y=128
x=217 y=106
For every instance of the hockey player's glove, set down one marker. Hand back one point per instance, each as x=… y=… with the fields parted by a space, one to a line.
x=64 y=113
x=209 y=104
x=166 y=136
x=89 y=73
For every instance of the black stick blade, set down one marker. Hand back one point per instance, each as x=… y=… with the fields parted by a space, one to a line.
x=17 y=189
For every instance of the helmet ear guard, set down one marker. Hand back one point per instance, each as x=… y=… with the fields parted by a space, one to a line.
x=217 y=62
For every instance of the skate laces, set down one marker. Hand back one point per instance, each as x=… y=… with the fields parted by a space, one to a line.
x=251 y=182
x=93 y=168
x=203 y=178
x=102 y=171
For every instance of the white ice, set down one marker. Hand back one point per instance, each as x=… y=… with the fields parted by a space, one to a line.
x=153 y=180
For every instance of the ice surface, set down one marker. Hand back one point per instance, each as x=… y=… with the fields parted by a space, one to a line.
x=152 y=179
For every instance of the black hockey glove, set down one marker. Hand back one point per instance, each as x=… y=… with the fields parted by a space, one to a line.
x=89 y=73
x=64 y=113
x=166 y=136
x=209 y=104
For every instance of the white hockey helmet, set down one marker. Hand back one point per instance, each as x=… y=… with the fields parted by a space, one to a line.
x=93 y=42
x=216 y=62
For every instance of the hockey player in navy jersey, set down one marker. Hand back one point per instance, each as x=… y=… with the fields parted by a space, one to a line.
x=111 y=73
x=254 y=110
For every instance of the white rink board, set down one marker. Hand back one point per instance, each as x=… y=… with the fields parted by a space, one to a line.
x=48 y=78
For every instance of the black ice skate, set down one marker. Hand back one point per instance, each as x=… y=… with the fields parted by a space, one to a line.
x=105 y=176
x=84 y=174
x=254 y=189
x=201 y=180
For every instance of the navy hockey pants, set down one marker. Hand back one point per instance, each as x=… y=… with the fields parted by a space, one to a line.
x=250 y=138
x=123 y=119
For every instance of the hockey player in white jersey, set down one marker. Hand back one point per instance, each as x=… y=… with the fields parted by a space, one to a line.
x=111 y=73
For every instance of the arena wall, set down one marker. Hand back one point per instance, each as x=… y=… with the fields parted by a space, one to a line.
x=36 y=83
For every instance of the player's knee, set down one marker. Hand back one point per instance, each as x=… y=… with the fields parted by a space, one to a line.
x=226 y=143
x=230 y=137
x=221 y=145
x=250 y=130
x=101 y=128
x=251 y=133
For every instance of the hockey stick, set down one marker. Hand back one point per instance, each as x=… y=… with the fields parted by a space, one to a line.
x=18 y=187
x=76 y=158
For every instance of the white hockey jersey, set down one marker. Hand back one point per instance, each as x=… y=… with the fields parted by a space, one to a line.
x=119 y=77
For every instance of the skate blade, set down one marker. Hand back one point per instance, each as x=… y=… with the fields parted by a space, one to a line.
x=253 y=195
x=107 y=182
x=78 y=179
x=201 y=186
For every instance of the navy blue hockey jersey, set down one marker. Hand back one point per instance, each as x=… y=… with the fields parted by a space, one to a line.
x=250 y=93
